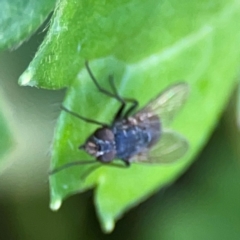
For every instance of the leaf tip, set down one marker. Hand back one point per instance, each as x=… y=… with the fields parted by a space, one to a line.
x=108 y=225
x=56 y=204
x=26 y=79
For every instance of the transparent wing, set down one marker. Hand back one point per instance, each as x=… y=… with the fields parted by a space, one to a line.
x=170 y=148
x=167 y=104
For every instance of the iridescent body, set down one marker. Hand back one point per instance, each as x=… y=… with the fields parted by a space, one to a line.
x=125 y=139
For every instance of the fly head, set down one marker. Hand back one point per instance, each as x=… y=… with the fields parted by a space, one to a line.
x=101 y=145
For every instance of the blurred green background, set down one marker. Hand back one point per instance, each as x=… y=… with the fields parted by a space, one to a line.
x=203 y=204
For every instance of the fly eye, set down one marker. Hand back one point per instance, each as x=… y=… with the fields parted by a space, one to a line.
x=107 y=157
x=104 y=134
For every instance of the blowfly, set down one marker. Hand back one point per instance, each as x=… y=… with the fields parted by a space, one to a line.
x=136 y=135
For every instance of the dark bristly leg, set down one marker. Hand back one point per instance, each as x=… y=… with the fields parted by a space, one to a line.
x=127 y=163
x=119 y=115
x=104 y=91
x=78 y=163
x=112 y=164
x=131 y=109
x=71 y=164
x=100 y=89
x=83 y=118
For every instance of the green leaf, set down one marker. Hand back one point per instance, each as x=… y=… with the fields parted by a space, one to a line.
x=19 y=19
x=147 y=45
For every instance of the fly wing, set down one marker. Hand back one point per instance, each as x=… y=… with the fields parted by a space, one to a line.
x=170 y=148
x=167 y=104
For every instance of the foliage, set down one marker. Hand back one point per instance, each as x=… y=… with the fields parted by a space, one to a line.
x=147 y=45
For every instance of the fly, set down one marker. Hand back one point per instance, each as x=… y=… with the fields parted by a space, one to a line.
x=136 y=136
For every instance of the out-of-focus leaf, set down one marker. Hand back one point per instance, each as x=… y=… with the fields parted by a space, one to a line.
x=20 y=18
x=6 y=140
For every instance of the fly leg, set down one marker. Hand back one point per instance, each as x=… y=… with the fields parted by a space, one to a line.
x=88 y=120
x=104 y=91
x=120 y=113
x=100 y=89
